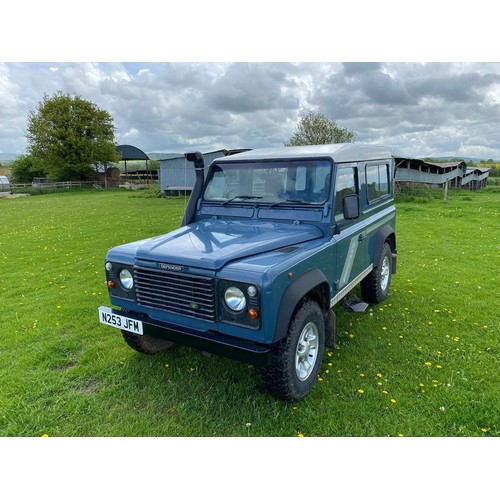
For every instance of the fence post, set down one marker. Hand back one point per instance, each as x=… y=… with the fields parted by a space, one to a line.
x=446 y=189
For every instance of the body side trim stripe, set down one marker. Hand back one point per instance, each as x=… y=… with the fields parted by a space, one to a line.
x=350 y=286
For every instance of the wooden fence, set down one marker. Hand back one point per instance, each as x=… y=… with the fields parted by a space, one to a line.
x=53 y=185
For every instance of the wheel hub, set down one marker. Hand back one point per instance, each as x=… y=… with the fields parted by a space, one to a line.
x=303 y=349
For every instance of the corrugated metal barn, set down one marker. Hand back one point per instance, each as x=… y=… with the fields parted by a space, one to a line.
x=177 y=174
x=456 y=174
x=475 y=178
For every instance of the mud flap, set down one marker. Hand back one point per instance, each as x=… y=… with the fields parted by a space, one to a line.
x=330 y=328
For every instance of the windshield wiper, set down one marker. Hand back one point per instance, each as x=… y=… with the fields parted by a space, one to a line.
x=241 y=197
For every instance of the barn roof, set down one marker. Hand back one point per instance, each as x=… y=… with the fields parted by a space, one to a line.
x=128 y=152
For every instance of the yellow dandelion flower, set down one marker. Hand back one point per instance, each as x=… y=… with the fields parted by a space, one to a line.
x=484 y=429
x=379 y=375
x=393 y=401
x=361 y=391
x=439 y=366
x=379 y=383
x=384 y=328
x=45 y=435
x=428 y=363
x=300 y=435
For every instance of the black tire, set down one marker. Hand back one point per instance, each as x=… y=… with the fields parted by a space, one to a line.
x=375 y=287
x=297 y=358
x=146 y=344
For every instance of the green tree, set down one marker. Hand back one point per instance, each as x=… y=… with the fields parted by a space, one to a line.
x=69 y=136
x=316 y=128
x=23 y=169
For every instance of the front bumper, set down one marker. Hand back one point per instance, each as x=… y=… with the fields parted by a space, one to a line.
x=209 y=341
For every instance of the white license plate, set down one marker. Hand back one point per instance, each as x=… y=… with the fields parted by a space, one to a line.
x=109 y=317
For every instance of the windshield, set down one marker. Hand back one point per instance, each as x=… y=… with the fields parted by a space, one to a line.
x=274 y=183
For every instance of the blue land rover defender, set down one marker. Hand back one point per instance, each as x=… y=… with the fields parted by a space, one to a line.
x=270 y=241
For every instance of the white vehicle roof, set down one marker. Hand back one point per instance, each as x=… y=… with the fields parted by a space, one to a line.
x=339 y=153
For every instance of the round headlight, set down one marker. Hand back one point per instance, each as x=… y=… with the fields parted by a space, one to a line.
x=126 y=279
x=109 y=266
x=235 y=299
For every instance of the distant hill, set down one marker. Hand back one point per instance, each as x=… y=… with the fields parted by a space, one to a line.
x=463 y=158
x=10 y=157
x=163 y=156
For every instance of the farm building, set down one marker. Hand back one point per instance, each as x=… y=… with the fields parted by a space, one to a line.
x=177 y=174
x=411 y=170
x=475 y=178
x=457 y=174
x=128 y=152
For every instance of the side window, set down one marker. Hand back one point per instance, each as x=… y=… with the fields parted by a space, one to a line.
x=345 y=183
x=384 y=179
x=377 y=182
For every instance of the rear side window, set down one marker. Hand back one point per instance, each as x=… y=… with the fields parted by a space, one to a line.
x=346 y=183
x=377 y=181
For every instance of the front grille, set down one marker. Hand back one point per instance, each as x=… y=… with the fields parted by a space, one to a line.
x=179 y=293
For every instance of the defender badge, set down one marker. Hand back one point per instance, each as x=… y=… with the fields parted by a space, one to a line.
x=171 y=267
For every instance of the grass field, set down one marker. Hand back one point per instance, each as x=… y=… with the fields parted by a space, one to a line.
x=424 y=363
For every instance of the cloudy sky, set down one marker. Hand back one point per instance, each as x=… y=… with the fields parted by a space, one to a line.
x=419 y=109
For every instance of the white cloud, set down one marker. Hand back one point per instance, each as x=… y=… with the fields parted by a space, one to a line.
x=422 y=109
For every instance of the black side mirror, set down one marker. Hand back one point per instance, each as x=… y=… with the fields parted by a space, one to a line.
x=351 y=206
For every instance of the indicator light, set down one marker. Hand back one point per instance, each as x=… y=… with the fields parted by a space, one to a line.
x=253 y=313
